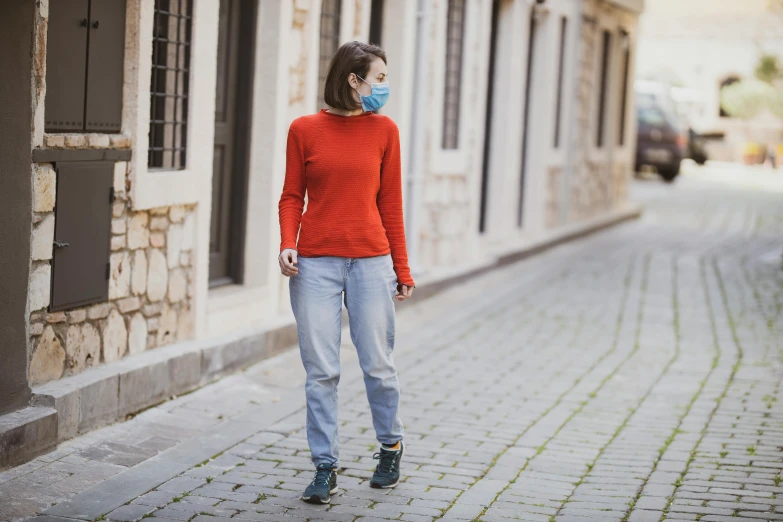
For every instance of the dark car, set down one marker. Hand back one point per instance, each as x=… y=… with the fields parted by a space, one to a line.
x=660 y=142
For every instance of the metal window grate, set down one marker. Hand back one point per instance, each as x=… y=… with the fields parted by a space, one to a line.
x=624 y=90
x=451 y=99
x=376 y=22
x=170 y=83
x=560 y=67
x=330 y=41
x=601 y=119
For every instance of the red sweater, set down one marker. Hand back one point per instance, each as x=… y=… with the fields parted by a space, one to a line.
x=350 y=168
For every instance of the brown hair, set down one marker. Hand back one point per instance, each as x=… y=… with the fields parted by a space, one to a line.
x=351 y=57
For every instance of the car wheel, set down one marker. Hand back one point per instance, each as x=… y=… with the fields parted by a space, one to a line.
x=669 y=174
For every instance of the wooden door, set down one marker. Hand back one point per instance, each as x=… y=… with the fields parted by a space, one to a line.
x=229 y=164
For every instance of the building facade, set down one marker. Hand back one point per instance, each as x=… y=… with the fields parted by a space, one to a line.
x=155 y=154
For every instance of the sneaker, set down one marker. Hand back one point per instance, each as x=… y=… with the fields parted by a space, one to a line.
x=323 y=486
x=387 y=473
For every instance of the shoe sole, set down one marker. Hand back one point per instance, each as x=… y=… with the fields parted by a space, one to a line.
x=317 y=500
x=390 y=486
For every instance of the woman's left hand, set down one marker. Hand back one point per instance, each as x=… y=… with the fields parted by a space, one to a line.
x=403 y=292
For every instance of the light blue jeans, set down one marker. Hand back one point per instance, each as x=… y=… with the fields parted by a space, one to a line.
x=368 y=286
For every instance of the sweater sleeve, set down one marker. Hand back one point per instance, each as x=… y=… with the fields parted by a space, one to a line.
x=292 y=199
x=390 y=206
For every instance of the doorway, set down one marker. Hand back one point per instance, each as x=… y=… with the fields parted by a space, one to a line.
x=488 y=117
x=234 y=79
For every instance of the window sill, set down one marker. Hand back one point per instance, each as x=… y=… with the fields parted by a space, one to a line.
x=164 y=188
x=52 y=155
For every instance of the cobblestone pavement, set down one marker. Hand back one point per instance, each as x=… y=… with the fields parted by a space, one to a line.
x=630 y=376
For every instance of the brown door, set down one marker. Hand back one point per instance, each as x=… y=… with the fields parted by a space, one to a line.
x=232 y=113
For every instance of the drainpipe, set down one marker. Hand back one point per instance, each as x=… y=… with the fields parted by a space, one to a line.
x=416 y=147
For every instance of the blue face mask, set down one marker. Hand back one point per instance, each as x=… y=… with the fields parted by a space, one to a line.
x=376 y=100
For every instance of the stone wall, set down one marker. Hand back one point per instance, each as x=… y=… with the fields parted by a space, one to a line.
x=299 y=42
x=447 y=224
x=596 y=185
x=150 y=285
x=584 y=183
x=620 y=182
x=151 y=278
x=554 y=181
x=446 y=220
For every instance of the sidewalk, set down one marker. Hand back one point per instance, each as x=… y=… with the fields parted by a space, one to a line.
x=630 y=376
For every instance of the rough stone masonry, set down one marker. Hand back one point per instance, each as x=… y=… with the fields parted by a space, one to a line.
x=150 y=282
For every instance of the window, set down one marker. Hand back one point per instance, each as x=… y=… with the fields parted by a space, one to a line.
x=599 y=138
x=559 y=102
x=170 y=84
x=526 y=133
x=624 y=87
x=330 y=41
x=84 y=66
x=488 y=117
x=451 y=99
x=376 y=22
x=653 y=117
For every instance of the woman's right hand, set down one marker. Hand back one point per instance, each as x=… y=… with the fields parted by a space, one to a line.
x=287 y=260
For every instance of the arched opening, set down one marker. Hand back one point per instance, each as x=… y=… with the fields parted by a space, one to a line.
x=725 y=83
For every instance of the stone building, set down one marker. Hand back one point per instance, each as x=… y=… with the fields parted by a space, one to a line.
x=143 y=155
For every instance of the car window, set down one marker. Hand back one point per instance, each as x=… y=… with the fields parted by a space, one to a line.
x=662 y=109
x=652 y=116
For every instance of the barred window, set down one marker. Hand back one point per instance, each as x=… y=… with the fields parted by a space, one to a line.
x=451 y=96
x=561 y=64
x=376 y=22
x=330 y=41
x=605 y=57
x=624 y=87
x=169 y=87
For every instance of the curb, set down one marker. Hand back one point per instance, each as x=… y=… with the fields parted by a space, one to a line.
x=62 y=409
x=430 y=288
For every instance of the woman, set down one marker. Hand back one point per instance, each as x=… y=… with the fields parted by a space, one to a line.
x=351 y=247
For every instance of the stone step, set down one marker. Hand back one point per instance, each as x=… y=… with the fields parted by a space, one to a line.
x=27 y=433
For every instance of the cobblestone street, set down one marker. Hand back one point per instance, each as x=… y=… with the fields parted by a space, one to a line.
x=633 y=375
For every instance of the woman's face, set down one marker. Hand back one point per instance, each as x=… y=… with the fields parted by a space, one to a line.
x=376 y=74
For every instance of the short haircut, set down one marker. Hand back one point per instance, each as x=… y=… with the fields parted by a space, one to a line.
x=351 y=57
